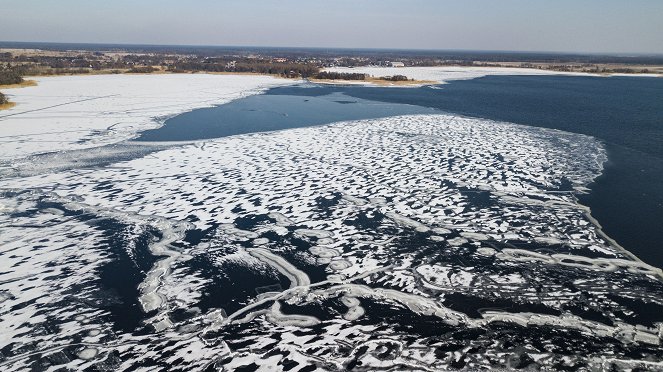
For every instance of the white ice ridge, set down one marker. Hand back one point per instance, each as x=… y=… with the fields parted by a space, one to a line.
x=297 y=277
x=421 y=305
x=599 y=264
x=151 y=296
x=79 y=112
x=444 y=74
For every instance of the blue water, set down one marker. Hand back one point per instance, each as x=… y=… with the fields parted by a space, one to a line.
x=269 y=112
x=626 y=113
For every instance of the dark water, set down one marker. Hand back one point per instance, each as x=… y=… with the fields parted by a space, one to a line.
x=627 y=200
x=626 y=113
x=269 y=112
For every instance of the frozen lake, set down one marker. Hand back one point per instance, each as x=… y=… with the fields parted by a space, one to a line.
x=322 y=227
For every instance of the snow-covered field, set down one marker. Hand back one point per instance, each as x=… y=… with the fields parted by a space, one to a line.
x=444 y=74
x=77 y=112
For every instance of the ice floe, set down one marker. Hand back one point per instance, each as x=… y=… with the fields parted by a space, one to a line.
x=414 y=242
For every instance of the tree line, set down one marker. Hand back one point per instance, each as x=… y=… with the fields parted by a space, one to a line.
x=273 y=68
x=327 y=75
x=395 y=78
x=9 y=77
x=142 y=70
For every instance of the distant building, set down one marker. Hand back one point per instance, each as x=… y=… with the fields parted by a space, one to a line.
x=397 y=64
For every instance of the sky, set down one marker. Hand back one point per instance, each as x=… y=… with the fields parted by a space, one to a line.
x=593 y=26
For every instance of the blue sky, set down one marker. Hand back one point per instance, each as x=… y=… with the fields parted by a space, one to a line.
x=624 y=26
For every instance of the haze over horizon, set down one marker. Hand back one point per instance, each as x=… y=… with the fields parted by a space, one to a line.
x=592 y=26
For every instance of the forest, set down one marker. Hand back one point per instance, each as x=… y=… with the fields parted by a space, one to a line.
x=328 y=75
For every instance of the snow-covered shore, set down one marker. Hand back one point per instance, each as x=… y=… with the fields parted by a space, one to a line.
x=444 y=74
x=77 y=112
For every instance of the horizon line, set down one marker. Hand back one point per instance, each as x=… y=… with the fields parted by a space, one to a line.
x=385 y=49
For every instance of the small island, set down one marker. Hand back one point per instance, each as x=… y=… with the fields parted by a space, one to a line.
x=4 y=102
x=11 y=79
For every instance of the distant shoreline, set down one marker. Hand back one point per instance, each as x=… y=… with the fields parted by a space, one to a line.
x=417 y=76
x=86 y=46
x=43 y=59
x=375 y=81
